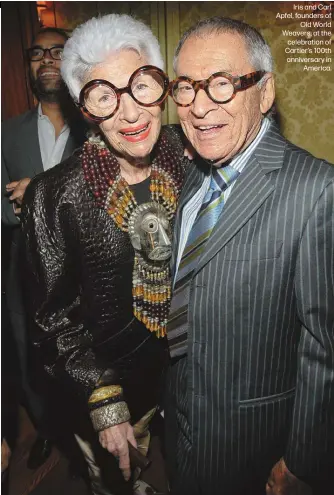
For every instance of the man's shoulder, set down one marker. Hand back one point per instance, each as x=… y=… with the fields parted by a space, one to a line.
x=19 y=120
x=315 y=168
x=276 y=153
x=13 y=128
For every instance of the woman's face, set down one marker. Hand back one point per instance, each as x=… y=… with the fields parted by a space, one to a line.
x=133 y=130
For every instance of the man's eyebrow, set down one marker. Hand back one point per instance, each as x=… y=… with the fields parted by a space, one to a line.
x=229 y=70
x=57 y=45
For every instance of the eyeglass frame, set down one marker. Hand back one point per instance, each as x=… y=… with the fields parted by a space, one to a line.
x=44 y=51
x=120 y=91
x=239 y=83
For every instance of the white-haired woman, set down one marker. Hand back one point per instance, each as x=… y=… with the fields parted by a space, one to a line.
x=98 y=234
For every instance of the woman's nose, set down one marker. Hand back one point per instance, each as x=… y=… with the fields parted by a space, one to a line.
x=129 y=110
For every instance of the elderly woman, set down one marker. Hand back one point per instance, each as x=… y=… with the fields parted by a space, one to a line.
x=98 y=231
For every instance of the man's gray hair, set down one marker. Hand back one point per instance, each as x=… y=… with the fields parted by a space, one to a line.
x=259 y=52
x=92 y=42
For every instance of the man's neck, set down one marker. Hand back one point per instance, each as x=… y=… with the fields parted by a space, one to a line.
x=53 y=111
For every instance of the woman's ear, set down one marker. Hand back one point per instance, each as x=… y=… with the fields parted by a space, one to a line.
x=267 y=93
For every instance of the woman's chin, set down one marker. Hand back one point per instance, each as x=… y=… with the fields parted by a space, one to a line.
x=140 y=151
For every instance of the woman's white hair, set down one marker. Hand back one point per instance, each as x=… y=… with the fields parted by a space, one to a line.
x=92 y=42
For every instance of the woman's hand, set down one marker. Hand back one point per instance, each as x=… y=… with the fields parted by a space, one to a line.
x=115 y=440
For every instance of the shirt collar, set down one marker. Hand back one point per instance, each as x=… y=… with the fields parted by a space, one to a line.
x=41 y=116
x=40 y=113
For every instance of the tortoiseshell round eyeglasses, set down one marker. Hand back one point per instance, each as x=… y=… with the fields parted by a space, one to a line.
x=221 y=87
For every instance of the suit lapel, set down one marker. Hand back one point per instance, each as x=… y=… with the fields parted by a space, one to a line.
x=250 y=191
x=30 y=143
x=70 y=146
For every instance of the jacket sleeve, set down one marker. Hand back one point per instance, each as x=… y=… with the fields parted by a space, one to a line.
x=8 y=216
x=311 y=444
x=59 y=329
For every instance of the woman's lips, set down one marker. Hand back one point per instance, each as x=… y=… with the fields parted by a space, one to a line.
x=136 y=134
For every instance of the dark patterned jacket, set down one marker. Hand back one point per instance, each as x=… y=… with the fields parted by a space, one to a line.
x=80 y=290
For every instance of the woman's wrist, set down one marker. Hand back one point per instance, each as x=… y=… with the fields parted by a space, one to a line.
x=105 y=402
x=109 y=415
x=105 y=392
x=107 y=407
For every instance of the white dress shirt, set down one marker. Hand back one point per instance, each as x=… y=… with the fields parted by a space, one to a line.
x=52 y=149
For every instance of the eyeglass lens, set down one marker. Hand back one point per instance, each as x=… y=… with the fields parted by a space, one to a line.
x=147 y=87
x=38 y=53
x=220 y=89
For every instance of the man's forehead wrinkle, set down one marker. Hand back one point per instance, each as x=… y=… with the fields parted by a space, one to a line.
x=212 y=57
x=218 y=63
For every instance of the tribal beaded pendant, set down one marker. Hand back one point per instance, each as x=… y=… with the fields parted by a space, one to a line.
x=151 y=297
x=151 y=284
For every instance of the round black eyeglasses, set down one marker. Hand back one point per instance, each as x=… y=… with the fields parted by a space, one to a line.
x=100 y=99
x=220 y=87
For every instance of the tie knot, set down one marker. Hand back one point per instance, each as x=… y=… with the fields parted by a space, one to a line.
x=223 y=177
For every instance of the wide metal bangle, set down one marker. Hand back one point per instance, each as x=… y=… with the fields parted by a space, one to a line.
x=104 y=393
x=105 y=402
x=110 y=415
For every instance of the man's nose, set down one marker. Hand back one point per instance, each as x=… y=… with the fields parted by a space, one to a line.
x=202 y=104
x=129 y=109
x=47 y=59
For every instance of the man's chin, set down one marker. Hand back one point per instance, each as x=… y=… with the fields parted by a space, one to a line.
x=48 y=92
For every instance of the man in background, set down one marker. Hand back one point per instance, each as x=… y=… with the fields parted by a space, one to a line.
x=31 y=143
x=249 y=408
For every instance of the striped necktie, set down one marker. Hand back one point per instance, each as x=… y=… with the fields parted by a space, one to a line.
x=205 y=222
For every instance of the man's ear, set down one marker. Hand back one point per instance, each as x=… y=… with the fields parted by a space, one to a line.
x=267 y=93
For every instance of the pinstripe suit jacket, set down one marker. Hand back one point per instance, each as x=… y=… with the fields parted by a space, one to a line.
x=257 y=383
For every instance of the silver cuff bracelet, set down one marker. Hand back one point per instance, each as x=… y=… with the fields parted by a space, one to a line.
x=109 y=415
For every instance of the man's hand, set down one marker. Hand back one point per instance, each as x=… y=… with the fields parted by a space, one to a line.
x=5 y=455
x=115 y=440
x=17 y=190
x=282 y=482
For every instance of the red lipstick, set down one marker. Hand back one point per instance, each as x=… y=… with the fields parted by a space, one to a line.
x=136 y=134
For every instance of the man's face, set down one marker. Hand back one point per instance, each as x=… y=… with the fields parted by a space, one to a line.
x=45 y=74
x=220 y=131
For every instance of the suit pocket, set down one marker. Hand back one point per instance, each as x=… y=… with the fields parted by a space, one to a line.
x=258 y=251
x=268 y=398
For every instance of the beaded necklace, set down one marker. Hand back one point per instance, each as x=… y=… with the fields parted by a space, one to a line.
x=151 y=282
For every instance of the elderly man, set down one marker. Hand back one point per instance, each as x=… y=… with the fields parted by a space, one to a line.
x=249 y=406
